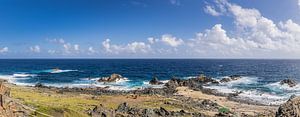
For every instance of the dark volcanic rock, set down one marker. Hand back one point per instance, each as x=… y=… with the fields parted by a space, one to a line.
x=100 y=111
x=123 y=107
x=289 y=109
x=39 y=85
x=124 y=110
x=289 y=82
x=231 y=78
x=111 y=78
x=155 y=81
x=194 y=83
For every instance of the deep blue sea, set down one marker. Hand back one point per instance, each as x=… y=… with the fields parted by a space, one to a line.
x=260 y=77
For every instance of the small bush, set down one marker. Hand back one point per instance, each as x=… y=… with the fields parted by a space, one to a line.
x=223 y=110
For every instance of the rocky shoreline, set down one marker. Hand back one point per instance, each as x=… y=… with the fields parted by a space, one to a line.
x=187 y=95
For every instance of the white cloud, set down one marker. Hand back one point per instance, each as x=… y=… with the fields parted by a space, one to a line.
x=91 y=50
x=60 y=41
x=67 y=48
x=299 y=3
x=35 y=49
x=51 y=51
x=175 y=2
x=133 y=48
x=212 y=11
x=76 y=47
x=70 y=49
x=170 y=40
x=4 y=50
x=255 y=34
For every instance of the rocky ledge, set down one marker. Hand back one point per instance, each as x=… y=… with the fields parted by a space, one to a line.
x=112 y=78
x=155 y=81
x=124 y=110
x=289 y=82
x=231 y=78
x=289 y=109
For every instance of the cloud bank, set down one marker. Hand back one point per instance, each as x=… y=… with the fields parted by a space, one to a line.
x=252 y=36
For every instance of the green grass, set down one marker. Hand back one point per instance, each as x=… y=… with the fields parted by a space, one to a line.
x=223 y=110
x=55 y=104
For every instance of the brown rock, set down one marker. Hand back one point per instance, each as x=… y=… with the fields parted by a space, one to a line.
x=289 y=109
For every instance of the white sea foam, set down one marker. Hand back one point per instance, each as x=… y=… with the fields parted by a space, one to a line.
x=253 y=95
x=147 y=84
x=242 y=80
x=277 y=86
x=61 y=71
x=12 y=78
x=23 y=75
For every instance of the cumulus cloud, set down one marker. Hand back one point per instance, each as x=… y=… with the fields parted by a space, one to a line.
x=60 y=41
x=212 y=11
x=35 y=49
x=133 y=48
x=68 y=48
x=171 y=40
x=4 y=50
x=152 y=40
x=254 y=34
x=91 y=50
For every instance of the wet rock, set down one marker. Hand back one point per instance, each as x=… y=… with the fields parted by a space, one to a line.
x=191 y=83
x=39 y=85
x=155 y=81
x=289 y=109
x=111 y=78
x=231 y=78
x=289 y=82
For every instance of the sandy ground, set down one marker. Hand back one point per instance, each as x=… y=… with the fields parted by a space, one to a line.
x=223 y=101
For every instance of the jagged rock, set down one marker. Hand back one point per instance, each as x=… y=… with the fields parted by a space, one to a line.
x=162 y=112
x=111 y=78
x=155 y=81
x=231 y=78
x=289 y=82
x=39 y=85
x=123 y=107
x=194 y=83
x=124 y=110
x=289 y=109
x=100 y=111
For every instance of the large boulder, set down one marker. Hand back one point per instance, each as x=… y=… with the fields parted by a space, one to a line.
x=100 y=111
x=289 y=109
x=155 y=81
x=231 y=78
x=111 y=78
x=289 y=82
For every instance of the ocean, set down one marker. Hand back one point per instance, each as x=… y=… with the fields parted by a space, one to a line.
x=259 y=82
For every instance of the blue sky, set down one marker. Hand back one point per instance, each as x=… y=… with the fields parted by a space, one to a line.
x=149 y=29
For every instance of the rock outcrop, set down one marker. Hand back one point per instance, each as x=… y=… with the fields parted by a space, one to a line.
x=231 y=78
x=289 y=82
x=194 y=83
x=289 y=109
x=124 y=110
x=155 y=81
x=111 y=78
